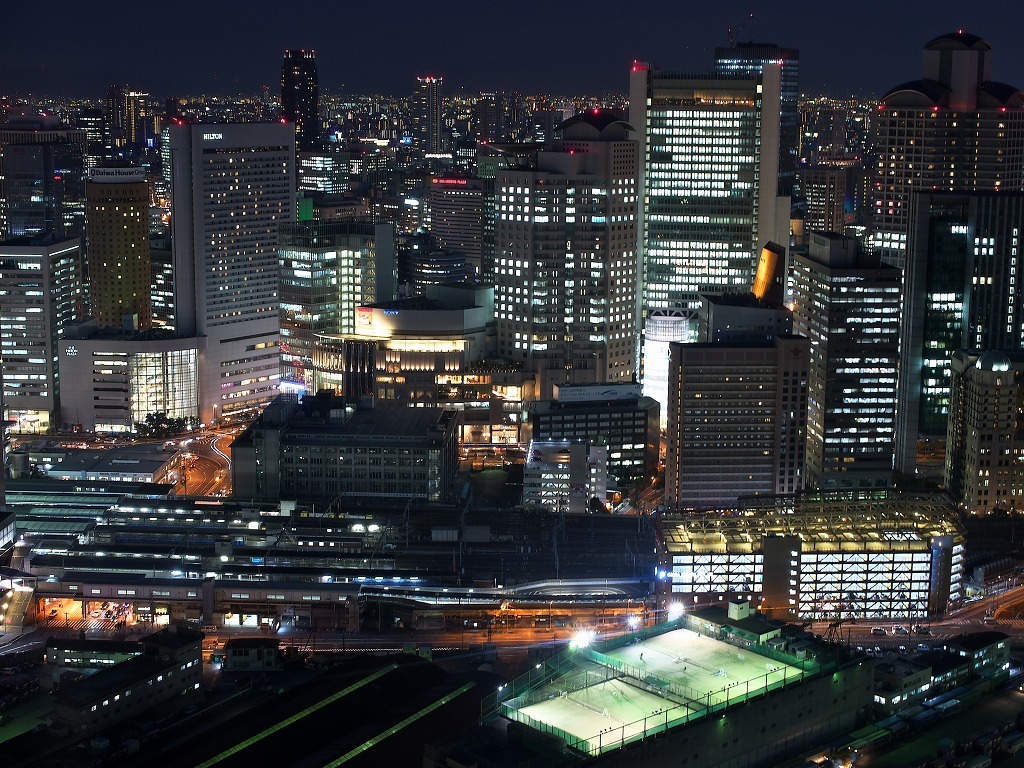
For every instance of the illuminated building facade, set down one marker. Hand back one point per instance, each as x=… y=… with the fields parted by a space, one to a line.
x=232 y=187
x=825 y=187
x=564 y=475
x=822 y=556
x=961 y=290
x=327 y=271
x=429 y=350
x=750 y=59
x=41 y=182
x=708 y=200
x=325 y=170
x=567 y=272
x=985 y=443
x=956 y=129
x=300 y=98
x=427 y=126
x=848 y=304
x=117 y=229
x=40 y=295
x=121 y=378
x=737 y=421
x=663 y=326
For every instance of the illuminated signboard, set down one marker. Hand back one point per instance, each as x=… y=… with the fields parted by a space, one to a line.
x=459 y=182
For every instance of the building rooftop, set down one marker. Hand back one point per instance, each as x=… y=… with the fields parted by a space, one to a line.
x=251 y=642
x=976 y=641
x=94 y=644
x=109 y=681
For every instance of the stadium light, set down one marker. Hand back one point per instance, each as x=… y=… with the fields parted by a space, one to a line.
x=675 y=610
x=633 y=622
x=582 y=639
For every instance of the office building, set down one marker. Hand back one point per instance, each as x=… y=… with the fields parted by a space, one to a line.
x=955 y=129
x=94 y=124
x=427 y=125
x=232 y=187
x=462 y=220
x=960 y=291
x=826 y=188
x=41 y=177
x=821 y=556
x=126 y=114
x=708 y=189
x=41 y=288
x=567 y=272
x=985 y=443
x=848 y=304
x=614 y=415
x=122 y=376
x=117 y=241
x=326 y=447
x=300 y=98
x=422 y=262
x=737 y=421
x=750 y=59
x=565 y=476
x=325 y=170
x=327 y=271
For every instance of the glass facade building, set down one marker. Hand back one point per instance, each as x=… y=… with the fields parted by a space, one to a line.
x=709 y=169
x=848 y=304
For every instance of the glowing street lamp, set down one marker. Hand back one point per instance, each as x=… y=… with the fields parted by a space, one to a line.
x=675 y=610
x=634 y=623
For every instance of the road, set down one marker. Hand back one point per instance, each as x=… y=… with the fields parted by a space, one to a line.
x=208 y=466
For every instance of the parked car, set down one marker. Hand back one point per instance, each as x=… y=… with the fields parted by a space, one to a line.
x=879 y=631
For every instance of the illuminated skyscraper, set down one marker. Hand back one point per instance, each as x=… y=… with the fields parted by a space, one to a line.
x=300 y=98
x=426 y=114
x=566 y=271
x=750 y=59
x=708 y=192
x=117 y=240
x=954 y=130
x=961 y=290
x=232 y=187
x=848 y=305
x=41 y=286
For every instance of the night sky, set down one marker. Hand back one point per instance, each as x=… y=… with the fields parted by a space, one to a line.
x=563 y=47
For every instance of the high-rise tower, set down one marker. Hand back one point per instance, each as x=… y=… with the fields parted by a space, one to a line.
x=953 y=130
x=232 y=186
x=300 y=97
x=117 y=240
x=427 y=133
x=708 y=191
x=750 y=59
x=848 y=305
x=566 y=260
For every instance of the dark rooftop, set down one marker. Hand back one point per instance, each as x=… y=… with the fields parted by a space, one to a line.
x=94 y=644
x=975 y=641
x=252 y=642
x=108 y=681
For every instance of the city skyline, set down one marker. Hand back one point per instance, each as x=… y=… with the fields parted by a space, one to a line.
x=459 y=47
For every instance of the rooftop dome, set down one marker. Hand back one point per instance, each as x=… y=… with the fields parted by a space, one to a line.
x=958 y=40
x=994 y=361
